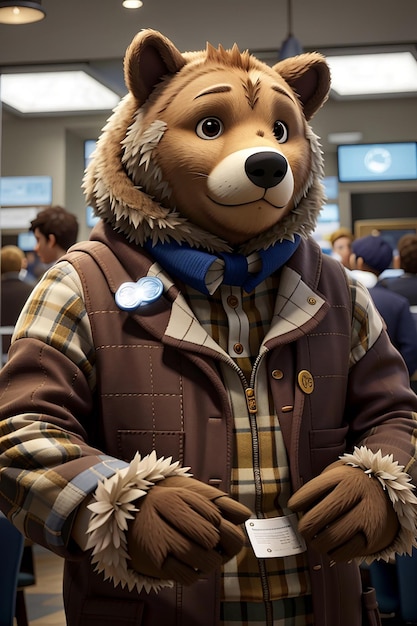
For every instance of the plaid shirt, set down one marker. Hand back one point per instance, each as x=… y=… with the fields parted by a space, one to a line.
x=238 y=323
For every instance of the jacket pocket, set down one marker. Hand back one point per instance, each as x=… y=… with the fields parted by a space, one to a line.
x=102 y=611
x=326 y=446
x=166 y=443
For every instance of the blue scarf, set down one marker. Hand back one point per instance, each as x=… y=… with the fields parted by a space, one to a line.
x=191 y=265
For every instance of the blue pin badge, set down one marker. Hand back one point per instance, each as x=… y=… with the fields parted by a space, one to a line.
x=131 y=296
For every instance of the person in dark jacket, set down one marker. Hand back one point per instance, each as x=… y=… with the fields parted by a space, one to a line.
x=14 y=290
x=406 y=283
x=373 y=254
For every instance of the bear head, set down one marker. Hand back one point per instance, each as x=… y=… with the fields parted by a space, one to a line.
x=212 y=148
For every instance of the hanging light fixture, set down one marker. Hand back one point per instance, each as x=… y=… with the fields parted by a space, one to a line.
x=21 y=12
x=291 y=46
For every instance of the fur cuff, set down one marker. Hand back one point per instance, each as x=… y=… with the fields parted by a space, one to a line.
x=112 y=507
x=397 y=484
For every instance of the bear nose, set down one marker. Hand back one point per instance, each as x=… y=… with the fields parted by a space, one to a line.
x=266 y=169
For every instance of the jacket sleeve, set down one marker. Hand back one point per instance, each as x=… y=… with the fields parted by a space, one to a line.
x=380 y=406
x=47 y=467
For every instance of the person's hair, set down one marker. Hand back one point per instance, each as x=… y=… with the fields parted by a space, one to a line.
x=340 y=232
x=407 y=249
x=56 y=220
x=11 y=259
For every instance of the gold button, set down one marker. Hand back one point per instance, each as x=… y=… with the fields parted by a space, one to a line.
x=238 y=348
x=306 y=381
x=277 y=374
x=312 y=300
x=287 y=408
x=233 y=301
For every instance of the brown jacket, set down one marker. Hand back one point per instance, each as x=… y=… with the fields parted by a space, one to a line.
x=181 y=409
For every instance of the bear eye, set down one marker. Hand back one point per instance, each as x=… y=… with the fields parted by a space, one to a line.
x=209 y=128
x=280 y=131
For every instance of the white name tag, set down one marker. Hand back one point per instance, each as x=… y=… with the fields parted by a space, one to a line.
x=275 y=537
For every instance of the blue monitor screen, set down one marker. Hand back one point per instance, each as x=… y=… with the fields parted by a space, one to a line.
x=331 y=187
x=90 y=217
x=26 y=241
x=377 y=162
x=25 y=191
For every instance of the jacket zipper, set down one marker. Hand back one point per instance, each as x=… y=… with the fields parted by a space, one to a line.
x=253 y=410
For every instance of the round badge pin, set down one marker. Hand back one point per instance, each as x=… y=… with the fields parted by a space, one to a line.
x=130 y=296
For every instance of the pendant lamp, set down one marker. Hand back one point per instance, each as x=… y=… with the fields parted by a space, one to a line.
x=21 y=12
x=291 y=46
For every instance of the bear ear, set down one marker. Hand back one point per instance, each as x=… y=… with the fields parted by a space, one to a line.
x=148 y=58
x=309 y=76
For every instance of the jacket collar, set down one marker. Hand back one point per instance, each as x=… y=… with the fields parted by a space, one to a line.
x=299 y=306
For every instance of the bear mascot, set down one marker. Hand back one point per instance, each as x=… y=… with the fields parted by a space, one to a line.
x=201 y=412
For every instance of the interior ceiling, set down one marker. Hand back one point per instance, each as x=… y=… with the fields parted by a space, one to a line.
x=97 y=32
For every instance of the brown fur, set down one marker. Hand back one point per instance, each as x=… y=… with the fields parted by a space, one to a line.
x=150 y=171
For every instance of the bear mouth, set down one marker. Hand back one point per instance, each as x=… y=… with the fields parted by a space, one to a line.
x=252 y=175
x=252 y=201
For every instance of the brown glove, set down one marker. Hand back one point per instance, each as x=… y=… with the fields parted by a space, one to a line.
x=184 y=528
x=347 y=514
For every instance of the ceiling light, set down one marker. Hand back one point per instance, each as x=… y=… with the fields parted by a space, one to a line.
x=291 y=46
x=373 y=74
x=55 y=92
x=132 y=4
x=21 y=12
x=345 y=137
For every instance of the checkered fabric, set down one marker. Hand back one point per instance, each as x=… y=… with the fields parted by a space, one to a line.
x=55 y=314
x=239 y=323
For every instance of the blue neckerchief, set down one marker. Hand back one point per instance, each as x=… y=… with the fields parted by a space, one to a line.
x=190 y=264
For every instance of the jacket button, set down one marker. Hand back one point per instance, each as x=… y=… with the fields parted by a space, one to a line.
x=277 y=374
x=316 y=568
x=238 y=348
x=312 y=301
x=306 y=381
x=232 y=301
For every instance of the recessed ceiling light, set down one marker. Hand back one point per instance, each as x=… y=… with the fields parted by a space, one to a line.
x=345 y=137
x=132 y=4
x=55 y=92
x=373 y=74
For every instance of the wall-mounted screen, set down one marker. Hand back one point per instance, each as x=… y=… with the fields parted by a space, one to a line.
x=25 y=191
x=91 y=219
x=331 y=187
x=89 y=147
x=26 y=241
x=377 y=162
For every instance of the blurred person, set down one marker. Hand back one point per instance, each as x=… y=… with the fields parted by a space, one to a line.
x=55 y=230
x=341 y=242
x=406 y=283
x=15 y=288
x=26 y=273
x=371 y=255
x=35 y=267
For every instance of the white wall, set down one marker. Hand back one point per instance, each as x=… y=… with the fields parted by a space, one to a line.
x=50 y=147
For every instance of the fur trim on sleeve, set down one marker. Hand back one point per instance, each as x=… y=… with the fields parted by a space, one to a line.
x=112 y=507
x=397 y=484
